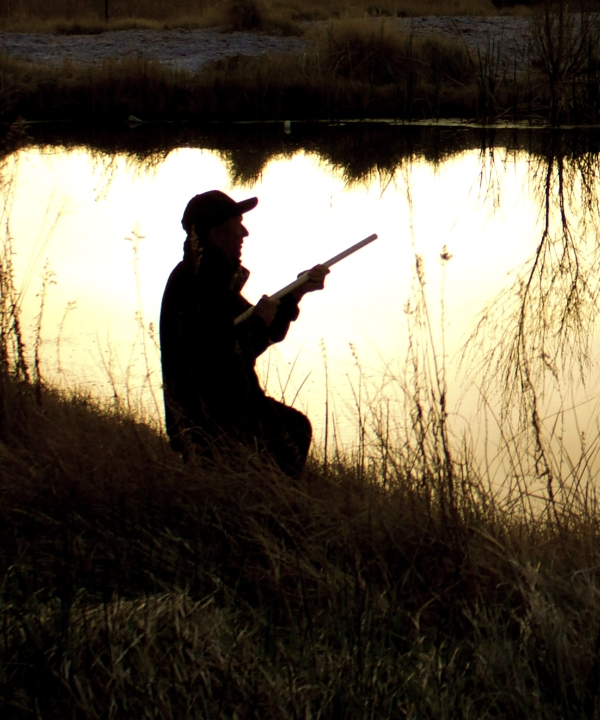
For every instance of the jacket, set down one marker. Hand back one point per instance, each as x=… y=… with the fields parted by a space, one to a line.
x=210 y=384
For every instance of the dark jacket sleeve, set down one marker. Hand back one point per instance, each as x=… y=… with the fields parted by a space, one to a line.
x=255 y=337
x=287 y=312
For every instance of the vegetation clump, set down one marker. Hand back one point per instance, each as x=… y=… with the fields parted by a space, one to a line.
x=353 y=69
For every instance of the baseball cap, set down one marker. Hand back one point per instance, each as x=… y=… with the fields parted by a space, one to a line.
x=209 y=209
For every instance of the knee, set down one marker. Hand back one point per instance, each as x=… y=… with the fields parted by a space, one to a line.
x=307 y=431
x=298 y=423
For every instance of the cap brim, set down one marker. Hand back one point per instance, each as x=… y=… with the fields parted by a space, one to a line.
x=245 y=205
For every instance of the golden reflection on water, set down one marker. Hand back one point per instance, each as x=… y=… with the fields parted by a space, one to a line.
x=110 y=232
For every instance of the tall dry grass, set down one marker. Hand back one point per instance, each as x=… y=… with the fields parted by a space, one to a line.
x=353 y=68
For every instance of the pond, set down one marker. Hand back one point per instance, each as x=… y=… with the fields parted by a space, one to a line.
x=477 y=302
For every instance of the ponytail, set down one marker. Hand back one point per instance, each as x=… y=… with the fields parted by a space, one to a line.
x=193 y=249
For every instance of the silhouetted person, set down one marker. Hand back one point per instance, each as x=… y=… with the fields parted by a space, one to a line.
x=213 y=399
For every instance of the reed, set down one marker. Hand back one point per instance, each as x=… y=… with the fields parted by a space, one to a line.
x=354 y=67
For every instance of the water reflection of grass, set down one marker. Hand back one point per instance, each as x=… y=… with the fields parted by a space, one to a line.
x=537 y=339
x=358 y=151
x=393 y=582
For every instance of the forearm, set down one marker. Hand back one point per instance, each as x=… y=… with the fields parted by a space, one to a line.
x=287 y=312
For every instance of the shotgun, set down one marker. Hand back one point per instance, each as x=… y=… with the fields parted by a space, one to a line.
x=303 y=278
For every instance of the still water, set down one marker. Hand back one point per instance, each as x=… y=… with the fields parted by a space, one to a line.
x=500 y=241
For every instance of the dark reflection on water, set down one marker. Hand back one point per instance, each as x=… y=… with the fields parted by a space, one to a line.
x=357 y=150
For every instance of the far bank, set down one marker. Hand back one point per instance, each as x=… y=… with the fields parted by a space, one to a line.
x=354 y=69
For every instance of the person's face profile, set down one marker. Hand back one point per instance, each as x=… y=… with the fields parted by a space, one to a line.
x=229 y=237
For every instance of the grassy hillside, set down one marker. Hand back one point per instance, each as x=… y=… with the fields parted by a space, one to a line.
x=133 y=586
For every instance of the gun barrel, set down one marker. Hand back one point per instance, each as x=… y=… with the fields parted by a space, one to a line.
x=344 y=254
x=298 y=282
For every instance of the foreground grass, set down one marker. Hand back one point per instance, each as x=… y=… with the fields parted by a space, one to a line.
x=133 y=586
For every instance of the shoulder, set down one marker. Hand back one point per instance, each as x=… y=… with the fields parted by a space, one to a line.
x=180 y=275
x=180 y=282
x=178 y=293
